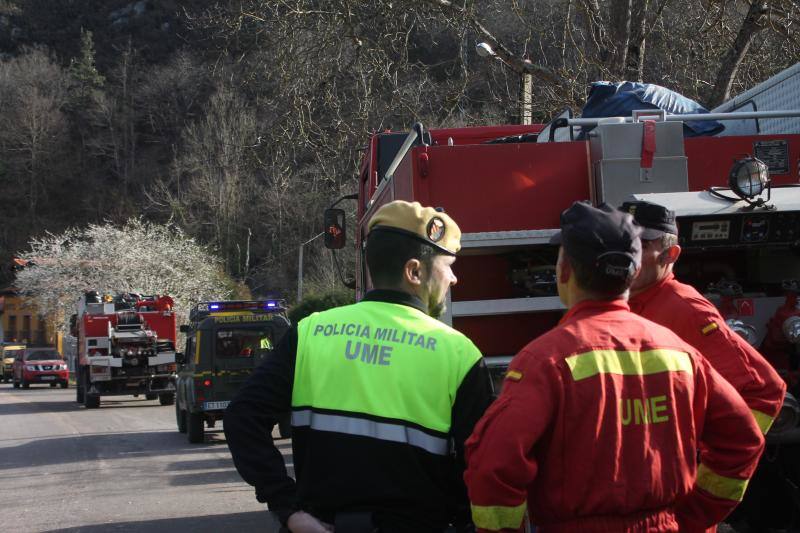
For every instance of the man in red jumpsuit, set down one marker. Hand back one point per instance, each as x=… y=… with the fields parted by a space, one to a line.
x=658 y=296
x=599 y=421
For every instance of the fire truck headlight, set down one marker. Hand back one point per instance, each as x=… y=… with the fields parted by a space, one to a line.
x=788 y=417
x=746 y=331
x=749 y=177
x=791 y=329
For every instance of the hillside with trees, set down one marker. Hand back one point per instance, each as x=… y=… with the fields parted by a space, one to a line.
x=239 y=121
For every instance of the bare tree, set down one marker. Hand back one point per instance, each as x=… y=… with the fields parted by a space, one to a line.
x=33 y=127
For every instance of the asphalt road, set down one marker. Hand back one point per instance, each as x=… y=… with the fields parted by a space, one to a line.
x=121 y=468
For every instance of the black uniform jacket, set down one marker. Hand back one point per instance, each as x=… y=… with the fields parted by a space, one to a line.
x=406 y=488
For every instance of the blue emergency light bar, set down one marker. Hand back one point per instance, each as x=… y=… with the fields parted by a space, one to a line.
x=250 y=305
x=203 y=309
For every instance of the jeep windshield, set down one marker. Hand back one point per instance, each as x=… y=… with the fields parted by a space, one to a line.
x=235 y=342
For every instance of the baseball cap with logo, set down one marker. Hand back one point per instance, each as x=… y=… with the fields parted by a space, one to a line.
x=427 y=224
x=603 y=237
x=656 y=220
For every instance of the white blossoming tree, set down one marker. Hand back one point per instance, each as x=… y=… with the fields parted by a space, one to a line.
x=139 y=257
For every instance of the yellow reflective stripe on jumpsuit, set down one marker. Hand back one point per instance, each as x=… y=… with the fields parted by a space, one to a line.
x=728 y=488
x=627 y=363
x=365 y=360
x=497 y=517
x=763 y=420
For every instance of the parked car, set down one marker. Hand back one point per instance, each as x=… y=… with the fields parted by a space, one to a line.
x=40 y=365
x=8 y=352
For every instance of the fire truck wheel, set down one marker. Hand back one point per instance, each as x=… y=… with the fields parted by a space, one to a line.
x=196 y=428
x=91 y=401
x=150 y=396
x=16 y=384
x=166 y=399
x=25 y=384
x=180 y=418
x=53 y=385
x=65 y=384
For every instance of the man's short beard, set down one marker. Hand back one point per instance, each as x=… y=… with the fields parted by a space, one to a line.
x=437 y=310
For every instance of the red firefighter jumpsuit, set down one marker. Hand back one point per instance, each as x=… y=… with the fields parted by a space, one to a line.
x=597 y=429
x=680 y=308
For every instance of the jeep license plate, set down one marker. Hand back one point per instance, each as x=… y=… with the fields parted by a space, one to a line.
x=213 y=406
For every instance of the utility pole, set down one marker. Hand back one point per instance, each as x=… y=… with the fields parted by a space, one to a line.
x=525 y=83
x=300 y=266
x=525 y=99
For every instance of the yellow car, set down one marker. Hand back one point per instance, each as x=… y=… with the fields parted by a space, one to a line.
x=7 y=354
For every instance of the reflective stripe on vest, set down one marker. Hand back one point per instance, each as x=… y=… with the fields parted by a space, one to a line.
x=370 y=428
x=387 y=360
x=628 y=363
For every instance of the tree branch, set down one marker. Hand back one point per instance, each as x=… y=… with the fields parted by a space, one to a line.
x=519 y=65
x=753 y=23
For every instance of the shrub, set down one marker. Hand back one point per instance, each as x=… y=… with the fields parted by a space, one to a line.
x=320 y=302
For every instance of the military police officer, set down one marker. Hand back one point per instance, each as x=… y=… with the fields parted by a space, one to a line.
x=382 y=395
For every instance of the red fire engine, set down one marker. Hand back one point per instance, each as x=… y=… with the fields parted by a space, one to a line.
x=126 y=346
x=506 y=187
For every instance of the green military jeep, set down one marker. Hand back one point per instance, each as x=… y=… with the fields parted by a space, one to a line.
x=225 y=341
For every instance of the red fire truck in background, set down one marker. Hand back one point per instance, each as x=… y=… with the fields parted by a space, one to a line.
x=126 y=346
x=736 y=195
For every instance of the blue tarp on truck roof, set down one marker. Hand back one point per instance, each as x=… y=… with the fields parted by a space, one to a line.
x=607 y=99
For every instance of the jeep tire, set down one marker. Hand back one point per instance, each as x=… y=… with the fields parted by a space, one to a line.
x=180 y=418
x=196 y=428
x=166 y=399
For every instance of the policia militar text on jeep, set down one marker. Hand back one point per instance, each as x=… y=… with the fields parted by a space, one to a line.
x=225 y=342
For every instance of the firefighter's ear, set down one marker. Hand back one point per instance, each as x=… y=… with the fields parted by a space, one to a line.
x=669 y=255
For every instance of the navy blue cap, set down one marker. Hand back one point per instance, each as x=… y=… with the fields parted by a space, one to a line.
x=656 y=220
x=601 y=236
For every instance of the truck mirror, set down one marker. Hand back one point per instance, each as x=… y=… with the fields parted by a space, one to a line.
x=184 y=328
x=334 y=228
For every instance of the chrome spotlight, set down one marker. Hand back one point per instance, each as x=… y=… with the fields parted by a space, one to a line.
x=749 y=177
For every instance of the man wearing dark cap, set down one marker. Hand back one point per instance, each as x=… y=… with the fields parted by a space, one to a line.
x=382 y=396
x=599 y=420
x=658 y=296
